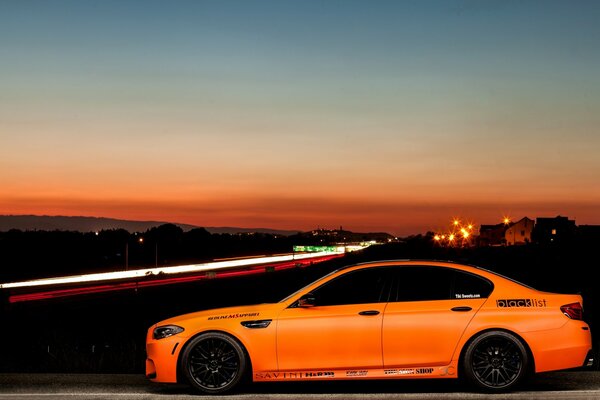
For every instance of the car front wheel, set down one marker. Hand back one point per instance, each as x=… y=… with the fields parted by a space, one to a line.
x=214 y=362
x=495 y=361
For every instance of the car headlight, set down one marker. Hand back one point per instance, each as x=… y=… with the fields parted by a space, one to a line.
x=161 y=332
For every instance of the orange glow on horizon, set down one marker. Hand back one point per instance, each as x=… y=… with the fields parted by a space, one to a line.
x=285 y=212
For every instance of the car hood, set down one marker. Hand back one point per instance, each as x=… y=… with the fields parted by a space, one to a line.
x=256 y=311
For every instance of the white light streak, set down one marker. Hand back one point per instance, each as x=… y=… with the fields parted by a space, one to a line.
x=139 y=273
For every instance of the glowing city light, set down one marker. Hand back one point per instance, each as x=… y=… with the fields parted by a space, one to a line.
x=459 y=234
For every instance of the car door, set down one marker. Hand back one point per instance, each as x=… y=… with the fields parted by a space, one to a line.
x=429 y=309
x=342 y=329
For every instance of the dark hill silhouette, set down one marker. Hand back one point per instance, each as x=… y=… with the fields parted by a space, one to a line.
x=93 y=224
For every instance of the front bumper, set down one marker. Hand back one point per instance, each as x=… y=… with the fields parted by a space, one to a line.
x=161 y=358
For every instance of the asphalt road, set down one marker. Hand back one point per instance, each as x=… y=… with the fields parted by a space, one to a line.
x=556 y=385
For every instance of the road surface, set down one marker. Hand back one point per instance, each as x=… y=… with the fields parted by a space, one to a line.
x=556 y=385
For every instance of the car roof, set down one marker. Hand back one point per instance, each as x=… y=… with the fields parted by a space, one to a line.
x=433 y=263
x=413 y=262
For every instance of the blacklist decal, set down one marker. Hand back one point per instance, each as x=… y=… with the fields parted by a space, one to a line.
x=520 y=303
x=357 y=373
x=408 y=371
x=229 y=316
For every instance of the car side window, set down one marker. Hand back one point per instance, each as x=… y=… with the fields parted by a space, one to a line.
x=371 y=285
x=424 y=283
x=421 y=283
x=470 y=286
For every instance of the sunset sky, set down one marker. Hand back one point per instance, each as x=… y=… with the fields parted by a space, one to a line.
x=374 y=115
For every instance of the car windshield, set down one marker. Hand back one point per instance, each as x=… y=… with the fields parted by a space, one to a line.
x=305 y=286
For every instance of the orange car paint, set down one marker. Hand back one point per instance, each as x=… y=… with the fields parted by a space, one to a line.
x=405 y=340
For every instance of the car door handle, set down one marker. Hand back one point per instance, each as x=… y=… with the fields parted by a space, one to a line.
x=369 y=312
x=463 y=308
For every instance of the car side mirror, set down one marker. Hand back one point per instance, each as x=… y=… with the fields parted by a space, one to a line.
x=308 y=300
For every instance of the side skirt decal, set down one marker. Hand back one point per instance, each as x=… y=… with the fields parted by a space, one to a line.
x=445 y=371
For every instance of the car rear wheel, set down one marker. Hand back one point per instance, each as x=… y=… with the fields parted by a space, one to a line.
x=495 y=361
x=214 y=362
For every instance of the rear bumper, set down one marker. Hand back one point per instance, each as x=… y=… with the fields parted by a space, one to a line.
x=564 y=348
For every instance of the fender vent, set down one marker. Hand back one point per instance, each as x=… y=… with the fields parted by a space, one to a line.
x=262 y=323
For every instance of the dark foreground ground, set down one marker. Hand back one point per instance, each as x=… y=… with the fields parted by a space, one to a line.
x=555 y=385
x=104 y=333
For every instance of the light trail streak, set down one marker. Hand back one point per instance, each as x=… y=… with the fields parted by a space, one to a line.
x=111 y=287
x=180 y=269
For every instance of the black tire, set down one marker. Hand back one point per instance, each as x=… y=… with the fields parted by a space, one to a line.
x=495 y=361
x=214 y=363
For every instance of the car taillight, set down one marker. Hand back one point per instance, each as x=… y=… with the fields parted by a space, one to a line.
x=573 y=311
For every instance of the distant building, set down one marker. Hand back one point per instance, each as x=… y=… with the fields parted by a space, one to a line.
x=519 y=232
x=554 y=230
x=492 y=235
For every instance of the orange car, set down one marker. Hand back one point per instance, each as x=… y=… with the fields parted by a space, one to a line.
x=392 y=319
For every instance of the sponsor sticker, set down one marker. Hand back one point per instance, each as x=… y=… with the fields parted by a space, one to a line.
x=444 y=371
x=467 y=295
x=408 y=371
x=357 y=373
x=294 y=375
x=229 y=316
x=319 y=374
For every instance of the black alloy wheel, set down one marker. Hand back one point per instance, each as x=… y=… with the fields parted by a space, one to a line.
x=214 y=362
x=495 y=361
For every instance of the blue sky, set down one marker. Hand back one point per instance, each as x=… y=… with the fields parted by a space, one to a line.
x=300 y=112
